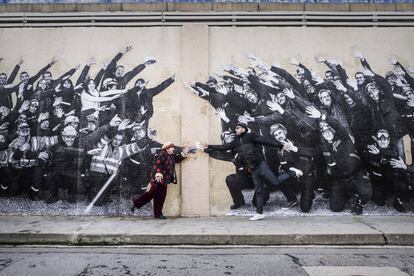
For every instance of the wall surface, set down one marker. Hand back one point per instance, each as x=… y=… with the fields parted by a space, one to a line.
x=194 y=52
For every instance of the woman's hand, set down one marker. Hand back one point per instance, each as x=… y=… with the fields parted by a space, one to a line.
x=159 y=177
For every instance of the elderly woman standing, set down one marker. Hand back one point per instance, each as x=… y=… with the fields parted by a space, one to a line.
x=162 y=174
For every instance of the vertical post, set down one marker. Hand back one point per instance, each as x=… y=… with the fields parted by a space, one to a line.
x=195 y=186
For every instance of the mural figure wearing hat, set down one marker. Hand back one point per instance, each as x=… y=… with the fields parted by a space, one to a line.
x=25 y=158
x=388 y=179
x=65 y=160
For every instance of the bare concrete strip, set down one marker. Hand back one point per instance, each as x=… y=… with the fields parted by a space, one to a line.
x=369 y=230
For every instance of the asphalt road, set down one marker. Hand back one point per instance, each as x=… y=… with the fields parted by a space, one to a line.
x=315 y=260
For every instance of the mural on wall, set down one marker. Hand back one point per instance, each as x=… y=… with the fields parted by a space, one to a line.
x=61 y=139
x=343 y=137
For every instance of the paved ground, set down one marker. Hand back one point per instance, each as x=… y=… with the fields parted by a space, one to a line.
x=121 y=206
x=93 y=230
x=314 y=261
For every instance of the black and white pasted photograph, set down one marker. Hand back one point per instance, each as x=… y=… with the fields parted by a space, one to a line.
x=77 y=146
x=300 y=144
x=303 y=144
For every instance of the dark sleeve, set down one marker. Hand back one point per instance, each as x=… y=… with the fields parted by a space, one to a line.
x=273 y=118
x=47 y=93
x=352 y=95
x=343 y=75
x=228 y=146
x=288 y=77
x=339 y=129
x=384 y=86
x=365 y=64
x=301 y=103
x=112 y=65
x=267 y=142
x=332 y=67
x=159 y=88
x=131 y=74
x=220 y=155
x=13 y=74
x=74 y=152
x=178 y=157
x=39 y=74
x=83 y=74
x=410 y=169
x=92 y=139
x=308 y=74
x=8 y=91
x=234 y=80
x=18 y=154
x=32 y=154
x=262 y=89
x=99 y=77
x=64 y=76
x=407 y=76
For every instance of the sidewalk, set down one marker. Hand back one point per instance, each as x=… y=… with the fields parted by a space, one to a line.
x=92 y=230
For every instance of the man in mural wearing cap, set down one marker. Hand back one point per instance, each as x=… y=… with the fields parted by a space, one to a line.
x=162 y=174
x=25 y=161
x=249 y=146
x=73 y=121
x=65 y=163
x=387 y=180
x=343 y=163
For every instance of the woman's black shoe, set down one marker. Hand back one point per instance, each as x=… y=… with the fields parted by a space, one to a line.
x=132 y=209
x=161 y=217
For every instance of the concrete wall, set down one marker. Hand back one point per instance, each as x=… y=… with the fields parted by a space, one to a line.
x=194 y=52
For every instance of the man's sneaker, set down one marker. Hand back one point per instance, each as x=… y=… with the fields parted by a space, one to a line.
x=398 y=205
x=257 y=217
x=290 y=204
x=298 y=173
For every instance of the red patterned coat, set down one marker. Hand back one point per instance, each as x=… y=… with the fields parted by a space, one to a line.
x=164 y=164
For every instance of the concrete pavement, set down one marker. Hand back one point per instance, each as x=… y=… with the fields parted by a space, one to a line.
x=93 y=230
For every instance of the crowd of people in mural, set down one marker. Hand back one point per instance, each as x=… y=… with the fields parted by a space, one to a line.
x=60 y=133
x=300 y=133
x=294 y=133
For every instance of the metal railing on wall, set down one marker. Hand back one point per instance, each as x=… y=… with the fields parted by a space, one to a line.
x=196 y=1
x=274 y=18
